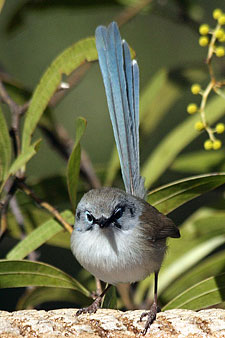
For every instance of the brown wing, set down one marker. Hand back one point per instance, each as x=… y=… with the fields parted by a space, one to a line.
x=157 y=226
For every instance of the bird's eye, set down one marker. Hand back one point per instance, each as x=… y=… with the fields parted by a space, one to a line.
x=118 y=212
x=89 y=217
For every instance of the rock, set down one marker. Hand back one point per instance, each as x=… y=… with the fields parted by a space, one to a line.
x=111 y=323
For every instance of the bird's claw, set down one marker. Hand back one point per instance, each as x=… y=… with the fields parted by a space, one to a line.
x=91 y=308
x=151 y=316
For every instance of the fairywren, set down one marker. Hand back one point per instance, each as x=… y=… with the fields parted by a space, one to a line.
x=118 y=237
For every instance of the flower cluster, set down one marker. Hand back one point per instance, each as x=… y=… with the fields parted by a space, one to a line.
x=213 y=38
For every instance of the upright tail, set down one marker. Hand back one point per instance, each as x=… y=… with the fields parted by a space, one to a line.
x=121 y=81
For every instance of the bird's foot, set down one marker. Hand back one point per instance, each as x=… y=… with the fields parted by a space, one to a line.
x=91 y=308
x=151 y=316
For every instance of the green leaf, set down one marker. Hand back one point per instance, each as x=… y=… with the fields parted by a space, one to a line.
x=73 y=168
x=200 y=235
x=188 y=260
x=171 y=196
x=213 y=265
x=207 y=293
x=110 y=300
x=21 y=160
x=39 y=236
x=69 y=60
x=113 y=167
x=2 y=2
x=199 y=161
x=36 y=296
x=178 y=139
x=22 y=273
x=152 y=107
x=5 y=148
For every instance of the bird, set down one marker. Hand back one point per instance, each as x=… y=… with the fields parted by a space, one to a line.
x=118 y=236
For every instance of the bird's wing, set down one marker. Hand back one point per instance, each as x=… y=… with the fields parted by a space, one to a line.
x=156 y=226
x=121 y=81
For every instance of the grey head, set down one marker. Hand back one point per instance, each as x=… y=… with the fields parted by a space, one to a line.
x=107 y=208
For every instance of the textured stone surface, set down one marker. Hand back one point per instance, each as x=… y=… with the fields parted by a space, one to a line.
x=111 y=323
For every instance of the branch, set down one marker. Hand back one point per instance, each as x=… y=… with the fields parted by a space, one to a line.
x=60 y=140
x=24 y=187
x=72 y=80
x=15 y=208
x=10 y=189
x=16 y=111
x=130 y=12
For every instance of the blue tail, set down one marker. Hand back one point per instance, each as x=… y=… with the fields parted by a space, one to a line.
x=121 y=80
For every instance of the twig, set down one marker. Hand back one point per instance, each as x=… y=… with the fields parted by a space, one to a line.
x=60 y=140
x=72 y=80
x=10 y=189
x=20 y=220
x=130 y=12
x=23 y=186
x=16 y=111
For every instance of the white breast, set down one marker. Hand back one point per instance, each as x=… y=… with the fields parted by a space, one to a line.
x=115 y=255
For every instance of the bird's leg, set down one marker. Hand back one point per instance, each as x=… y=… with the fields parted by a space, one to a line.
x=151 y=315
x=95 y=305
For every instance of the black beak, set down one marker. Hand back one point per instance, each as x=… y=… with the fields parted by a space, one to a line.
x=103 y=222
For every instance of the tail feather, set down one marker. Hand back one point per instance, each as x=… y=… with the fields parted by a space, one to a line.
x=121 y=80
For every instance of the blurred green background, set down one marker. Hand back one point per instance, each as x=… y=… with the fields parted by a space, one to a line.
x=33 y=35
x=164 y=35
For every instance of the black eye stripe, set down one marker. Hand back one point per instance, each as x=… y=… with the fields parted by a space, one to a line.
x=118 y=212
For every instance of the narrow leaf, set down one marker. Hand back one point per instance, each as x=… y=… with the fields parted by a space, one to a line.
x=207 y=293
x=213 y=265
x=21 y=160
x=39 y=236
x=188 y=260
x=171 y=196
x=22 y=273
x=5 y=148
x=113 y=167
x=201 y=234
x=152 y=107
x=178 y=139
x=110 y=300
x=37 y=296
x=199 y=161
x=73 y=168
x=69 y=60
x=2 y=2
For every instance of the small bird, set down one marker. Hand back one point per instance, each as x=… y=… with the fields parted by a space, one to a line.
x=119 y=237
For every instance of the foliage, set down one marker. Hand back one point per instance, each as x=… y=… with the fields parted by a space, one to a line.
x=192 y=275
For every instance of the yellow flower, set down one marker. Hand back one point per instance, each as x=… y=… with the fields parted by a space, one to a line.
x=195 y=88
x=208 y=145
x=219 y=33
x=199 y=126
x=192 y=108
x=220 y=52
x=220 y=128
x=217 y=13
x=204 y=29
x=203 y=41
x=217 y=144
x=221 y=20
